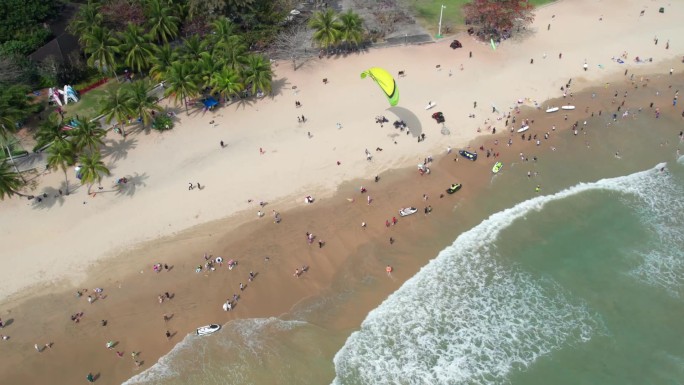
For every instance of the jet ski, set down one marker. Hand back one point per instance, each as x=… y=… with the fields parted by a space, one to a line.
x=469 y=155
x=407 y=211
x=497 y=167
x=453 y=188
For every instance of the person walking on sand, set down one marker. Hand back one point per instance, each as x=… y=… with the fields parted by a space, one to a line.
x=168 y=335
x=190 y=186
x=90 y=377
x=38 y=349
x=369 y=200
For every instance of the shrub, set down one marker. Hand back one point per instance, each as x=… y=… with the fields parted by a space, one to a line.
x=162 y=123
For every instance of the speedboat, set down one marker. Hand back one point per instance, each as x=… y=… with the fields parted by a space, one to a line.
x=469 y=155
x=453 y=188
x=497 y=167
x=407 y=211
x=209 y=329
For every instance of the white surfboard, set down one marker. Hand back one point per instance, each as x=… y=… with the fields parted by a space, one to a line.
x=552 y=109
x=523 y=128
x=430 y=105
x=568 y=107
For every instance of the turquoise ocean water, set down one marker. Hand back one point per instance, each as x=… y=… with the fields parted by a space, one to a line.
x=583 y=286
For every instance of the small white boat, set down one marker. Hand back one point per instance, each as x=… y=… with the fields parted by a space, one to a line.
x=430 y=105
x=523 y=128
x=568 y=107
x=407 y=211
x=552 y=109
x=209 y=329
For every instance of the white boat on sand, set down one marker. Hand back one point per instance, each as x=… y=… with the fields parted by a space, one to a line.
x=209 y=329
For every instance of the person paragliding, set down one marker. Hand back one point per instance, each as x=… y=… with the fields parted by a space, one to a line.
x=386 y=83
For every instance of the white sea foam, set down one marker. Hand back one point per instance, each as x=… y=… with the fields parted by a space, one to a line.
x=660 y=207
x=245 y=338
x=466 y=318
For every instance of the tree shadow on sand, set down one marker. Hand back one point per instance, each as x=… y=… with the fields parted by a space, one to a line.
x=50 y=196
x=277 y=87
x=133 y=183
x=118 y=149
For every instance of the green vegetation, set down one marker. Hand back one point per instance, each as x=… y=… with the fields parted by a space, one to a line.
x=427 y=12
x=162 y=123
x=10 y=181
x=196 y=48
x=332 y=29
x=91 y=103
x=21 y=24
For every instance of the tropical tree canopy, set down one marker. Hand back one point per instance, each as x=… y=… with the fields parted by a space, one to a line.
x=61 y=156
x=101 y=47
x=258 y=74
x=10 y=181
x=161 y=20
x=350 y=28
x=92 y=169
x=87 y=135
x=116 y=105
x=494 y=18
x=87 y=17
x=180 y=82
x=326 y=28
x=163 y=57
x=140 y=102
x=135 y=47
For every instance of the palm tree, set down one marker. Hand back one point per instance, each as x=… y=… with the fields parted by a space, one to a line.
x=117 y=106
x=135 y=47
x=49 y=131
x=233 y=50
x=326 y=28
x=351 y=28
x=87 y=17
x=226 y=82
x=88 y=135
x=161 y=21
x=206 y=67
x=180 y=82
x=164 y=55
x=141 y=102
x=101 y=46
x=61 y=156
x=192 y=48
x=10 y=181
x=258 y=74
x=92 y=169
x=222 y=30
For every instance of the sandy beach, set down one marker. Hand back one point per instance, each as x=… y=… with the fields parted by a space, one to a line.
x=112 y=240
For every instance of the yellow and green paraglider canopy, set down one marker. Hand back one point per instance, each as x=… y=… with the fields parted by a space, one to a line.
x=386 y=83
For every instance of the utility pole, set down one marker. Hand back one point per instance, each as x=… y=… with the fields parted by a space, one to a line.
x=439 y=30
